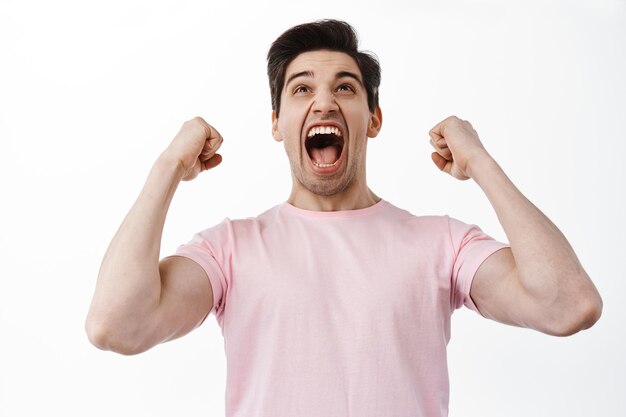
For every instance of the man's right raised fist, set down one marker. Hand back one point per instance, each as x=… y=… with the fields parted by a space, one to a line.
x=194 y=147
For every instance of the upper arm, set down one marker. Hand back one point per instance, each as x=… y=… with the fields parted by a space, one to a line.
x=186 y=297
x=499 y=295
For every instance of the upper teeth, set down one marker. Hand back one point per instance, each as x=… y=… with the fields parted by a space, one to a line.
x=324 y=130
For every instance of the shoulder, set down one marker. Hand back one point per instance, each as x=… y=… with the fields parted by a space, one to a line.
x=228 y=228
x=246 y=225
x=442 y=230
x=424 y=223
x=440 y=224
x=241 y=228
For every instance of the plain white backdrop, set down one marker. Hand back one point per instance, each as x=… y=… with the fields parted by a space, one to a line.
x=91 y=93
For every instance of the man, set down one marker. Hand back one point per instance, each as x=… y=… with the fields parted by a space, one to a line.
x=335 y=302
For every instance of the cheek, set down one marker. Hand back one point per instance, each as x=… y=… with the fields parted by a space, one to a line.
x=359 y=128
x=356 y=114
x=288 y=123
x=291 y=141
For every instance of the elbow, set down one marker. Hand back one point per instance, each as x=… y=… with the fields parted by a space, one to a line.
x=582 y=318
x=96 y=334
x=105 y=337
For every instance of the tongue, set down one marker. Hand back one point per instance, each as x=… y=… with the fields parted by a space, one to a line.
x=327 y=155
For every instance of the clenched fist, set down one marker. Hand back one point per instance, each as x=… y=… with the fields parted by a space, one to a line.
x=194 y=148
x=457 y=147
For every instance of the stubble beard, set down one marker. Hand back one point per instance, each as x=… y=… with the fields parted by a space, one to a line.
x=324 y=186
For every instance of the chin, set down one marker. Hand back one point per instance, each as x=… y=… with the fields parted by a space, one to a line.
x=327 y=187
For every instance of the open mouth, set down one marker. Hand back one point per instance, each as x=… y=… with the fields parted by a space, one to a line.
x=324 y=145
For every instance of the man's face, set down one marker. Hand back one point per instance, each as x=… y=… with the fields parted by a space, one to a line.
x=324 y=122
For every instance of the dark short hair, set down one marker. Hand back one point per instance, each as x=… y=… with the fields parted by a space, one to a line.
x=334 y=35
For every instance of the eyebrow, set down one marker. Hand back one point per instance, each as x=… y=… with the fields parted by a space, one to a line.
x=343 y=74
x=309 y=74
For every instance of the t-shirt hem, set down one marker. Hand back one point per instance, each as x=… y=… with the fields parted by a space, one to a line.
x=487 y=248
x=210 y=267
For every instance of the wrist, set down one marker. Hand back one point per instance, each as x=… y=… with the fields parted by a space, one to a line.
x=170 y=164
x=482 y=162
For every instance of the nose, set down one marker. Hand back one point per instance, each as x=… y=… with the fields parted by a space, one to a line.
x=324 y=103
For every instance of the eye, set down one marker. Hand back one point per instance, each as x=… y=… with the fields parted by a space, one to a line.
x=301 y=89
x=346 y=88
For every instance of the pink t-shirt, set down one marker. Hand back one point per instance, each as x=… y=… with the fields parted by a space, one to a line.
x=344 y=313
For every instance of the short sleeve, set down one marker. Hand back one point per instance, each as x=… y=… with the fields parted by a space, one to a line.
x=211 y=249
x=471 y=248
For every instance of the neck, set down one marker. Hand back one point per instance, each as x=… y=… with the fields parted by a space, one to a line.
x=352 y=198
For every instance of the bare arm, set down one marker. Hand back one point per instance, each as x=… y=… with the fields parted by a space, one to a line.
x=139 y=302
x=539 y=282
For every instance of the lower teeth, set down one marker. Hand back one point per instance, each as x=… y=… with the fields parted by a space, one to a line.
x=319 y=165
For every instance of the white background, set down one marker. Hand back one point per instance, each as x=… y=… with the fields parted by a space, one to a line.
x=90 y=94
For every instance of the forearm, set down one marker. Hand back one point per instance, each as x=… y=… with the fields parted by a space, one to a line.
x=128 y=288
x=546 y=264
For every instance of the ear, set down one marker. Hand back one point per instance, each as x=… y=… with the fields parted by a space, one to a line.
x=275 y=132
x=375 y=123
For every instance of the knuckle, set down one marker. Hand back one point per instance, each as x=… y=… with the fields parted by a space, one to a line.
x=196 y=122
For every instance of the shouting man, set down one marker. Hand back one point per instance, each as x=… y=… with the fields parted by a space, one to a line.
x=334 y=302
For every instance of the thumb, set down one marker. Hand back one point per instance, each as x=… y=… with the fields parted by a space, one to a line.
x=442 y=163
x=214 y=161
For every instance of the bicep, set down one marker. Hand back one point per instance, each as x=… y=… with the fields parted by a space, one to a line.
x=186 y=296
x=499 y=295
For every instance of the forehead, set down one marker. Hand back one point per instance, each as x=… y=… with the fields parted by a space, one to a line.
x=322 y=61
